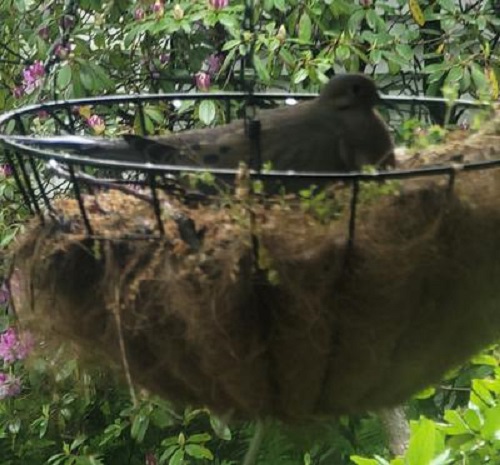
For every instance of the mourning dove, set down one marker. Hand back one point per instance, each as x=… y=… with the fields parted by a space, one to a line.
x=337 y=131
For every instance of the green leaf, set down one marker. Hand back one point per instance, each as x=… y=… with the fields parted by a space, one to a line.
x=375 y=56
x=220 y=428
x=300 y=76
x=280 y=5
x=169 y=451
x=198 y=452
x=456 y=424
x=456 y=73
x=481 y=395
x=342 y=52
x=355 y=21
x=177 y=458
x=305 y=28
x=491 y=427
x=358 y=460
x=372 y=18
x=230 y=44
x=139 y=427
x=442 y=459
x=405 y=51
x=473 y=419
x=86 y=78
x=207 y=111
x=422 y=443
x=64 y=76
x=425 y=393
x=261 y=69
x=77 y=442
x=435 y=67
x=202 y=437
x=484 y=359
x=287 y=57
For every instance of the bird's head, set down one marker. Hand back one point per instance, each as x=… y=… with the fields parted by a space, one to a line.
x=350 y=91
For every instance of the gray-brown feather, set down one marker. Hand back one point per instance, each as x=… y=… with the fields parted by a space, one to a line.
x=334 y=132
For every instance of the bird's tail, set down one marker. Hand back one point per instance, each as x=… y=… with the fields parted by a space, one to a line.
x=126 y=149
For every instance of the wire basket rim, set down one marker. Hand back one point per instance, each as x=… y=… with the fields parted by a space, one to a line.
x=9 y=141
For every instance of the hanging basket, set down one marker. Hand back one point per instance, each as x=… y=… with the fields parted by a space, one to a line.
x=262 y=306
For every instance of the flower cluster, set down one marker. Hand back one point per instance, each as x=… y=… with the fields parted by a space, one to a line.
x=97 y=124
x=33 y=76
x=14 y=346
x=210 y=68
x=5 y=170
x=10 y=385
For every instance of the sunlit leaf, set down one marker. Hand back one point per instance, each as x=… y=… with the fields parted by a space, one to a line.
x=416 y=12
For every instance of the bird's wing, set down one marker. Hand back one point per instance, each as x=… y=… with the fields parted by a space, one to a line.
x=222 y=146
x=280 y=137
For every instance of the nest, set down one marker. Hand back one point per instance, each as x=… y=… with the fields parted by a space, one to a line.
x=267 y=311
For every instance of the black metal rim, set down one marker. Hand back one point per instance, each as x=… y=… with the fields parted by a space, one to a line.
x=10 y=142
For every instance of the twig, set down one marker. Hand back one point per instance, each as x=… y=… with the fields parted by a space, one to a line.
x=255 y=443
x=397 y=429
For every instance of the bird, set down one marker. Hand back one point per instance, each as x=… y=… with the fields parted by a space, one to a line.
x=339 y=131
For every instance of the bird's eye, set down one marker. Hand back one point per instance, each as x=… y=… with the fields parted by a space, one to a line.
x=356 y=89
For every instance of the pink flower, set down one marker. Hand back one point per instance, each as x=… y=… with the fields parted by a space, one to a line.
x=13 y=347
x=202 y=81
x=10 y=386
x=97 y=124
x=33 y=76
x=218 y=4
x=6 y=170
x=214 y=63
x=139 y=14
x=158 y=8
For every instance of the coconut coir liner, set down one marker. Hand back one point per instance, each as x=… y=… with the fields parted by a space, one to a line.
x=335 y=331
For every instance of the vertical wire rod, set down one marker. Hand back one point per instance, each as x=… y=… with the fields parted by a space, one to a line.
x=17 y=179
x=79 y=199
x=156 y=202
x=352 y=217
x=24 y=172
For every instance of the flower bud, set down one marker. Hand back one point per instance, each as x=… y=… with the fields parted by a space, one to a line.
x=202 y=81
x=281 y=34
x=178 y=12
x=218 y=4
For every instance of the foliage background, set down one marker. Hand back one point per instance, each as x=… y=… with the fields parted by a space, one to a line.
x=55 y=49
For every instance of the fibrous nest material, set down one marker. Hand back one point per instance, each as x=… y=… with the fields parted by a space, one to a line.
x=273 y=313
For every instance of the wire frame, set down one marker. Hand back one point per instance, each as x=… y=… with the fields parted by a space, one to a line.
x=42 y=168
